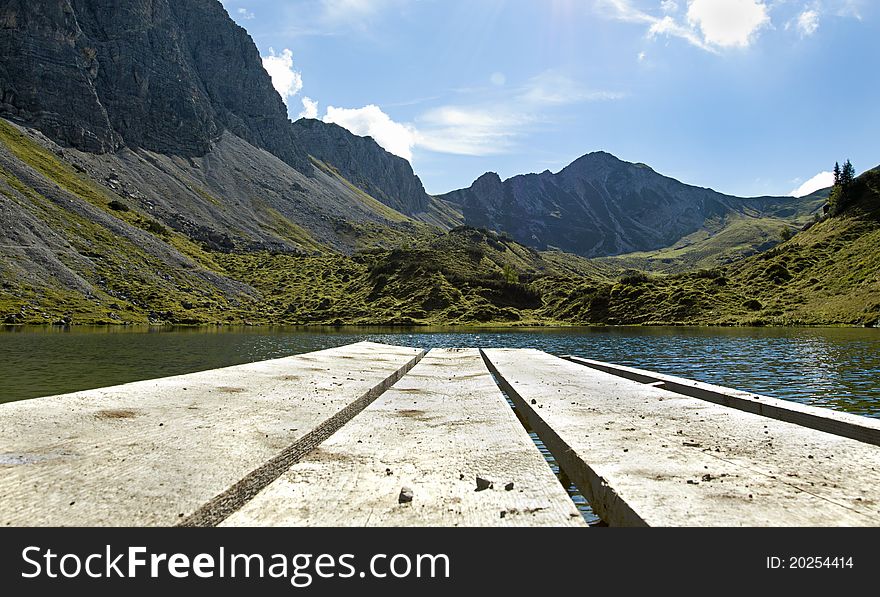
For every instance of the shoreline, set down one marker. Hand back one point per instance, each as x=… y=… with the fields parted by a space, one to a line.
x=420 y=326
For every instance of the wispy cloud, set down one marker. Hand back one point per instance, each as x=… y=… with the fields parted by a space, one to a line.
x=716 y=25
x=471 y=130
x=495 y=126
x=710 y=25
x=489 y=126
x=623 y=10
x=353 y=14
x=554 y=88
x=847 y=8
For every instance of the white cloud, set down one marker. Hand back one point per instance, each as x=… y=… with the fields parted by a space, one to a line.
x=371 y=121
x=823 y=180
x=245 y=14
x=476 y=129
x=808 y=22
x=287 y=81
x=709 y=24
x=310 y=108
x=669 y=26
x=728 y=23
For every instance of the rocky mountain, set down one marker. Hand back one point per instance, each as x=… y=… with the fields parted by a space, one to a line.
x=826 y=274
x=600 y=206
x=155 y=75
x=139 y=139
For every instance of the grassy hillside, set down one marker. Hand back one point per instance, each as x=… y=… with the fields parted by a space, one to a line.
x=723 y=241
x=467 y=276
x=73 y=251
x=827 y=274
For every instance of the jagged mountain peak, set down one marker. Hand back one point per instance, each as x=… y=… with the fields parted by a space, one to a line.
x=600 y=205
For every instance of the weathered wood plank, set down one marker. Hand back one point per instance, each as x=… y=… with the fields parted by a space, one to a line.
x=646 y=456
x=182 y=449
x=844 y=424
x=438 y=429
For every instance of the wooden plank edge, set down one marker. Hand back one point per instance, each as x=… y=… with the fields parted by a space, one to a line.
x=837 y=423
x=603 y=499
x=226 y=503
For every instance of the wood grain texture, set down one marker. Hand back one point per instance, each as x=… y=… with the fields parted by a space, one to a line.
x=438 y=429
x=156 y=452
x=862 y=429
x=645 y=456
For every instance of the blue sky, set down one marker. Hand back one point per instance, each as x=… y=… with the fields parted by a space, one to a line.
x=749 y=97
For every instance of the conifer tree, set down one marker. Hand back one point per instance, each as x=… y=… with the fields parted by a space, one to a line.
x=843 y=181
x=847 y=175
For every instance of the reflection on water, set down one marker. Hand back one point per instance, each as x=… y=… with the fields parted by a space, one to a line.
x=837 y=367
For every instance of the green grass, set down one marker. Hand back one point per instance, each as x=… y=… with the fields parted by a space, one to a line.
x=289 y=231
x=129 y=285
x=725 y=244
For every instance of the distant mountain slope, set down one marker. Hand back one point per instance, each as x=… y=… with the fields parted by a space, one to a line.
x=600 y=206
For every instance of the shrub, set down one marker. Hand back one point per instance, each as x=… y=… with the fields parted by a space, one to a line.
x=633 y=278
x=156 y=228
x=753 y=305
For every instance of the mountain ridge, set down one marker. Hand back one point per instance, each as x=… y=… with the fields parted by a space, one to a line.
x=600 y=205
x=100 y=75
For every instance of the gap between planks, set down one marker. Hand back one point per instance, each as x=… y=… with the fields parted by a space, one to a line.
x=445 y=424
x=646 y=456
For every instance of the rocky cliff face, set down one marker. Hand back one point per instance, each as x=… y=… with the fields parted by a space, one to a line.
x=49 y=72
x=360 y=160
x=168 y=76
x=600 y=205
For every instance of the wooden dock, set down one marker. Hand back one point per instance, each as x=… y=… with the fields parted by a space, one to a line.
x=376 y=435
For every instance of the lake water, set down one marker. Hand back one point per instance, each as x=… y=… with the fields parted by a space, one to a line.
x=837 y=368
